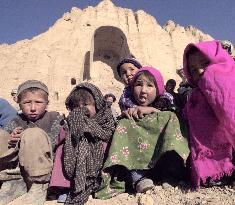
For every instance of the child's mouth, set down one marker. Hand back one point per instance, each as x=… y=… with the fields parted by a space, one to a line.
x=142 y=99
x=33 y=115
x=129 y=80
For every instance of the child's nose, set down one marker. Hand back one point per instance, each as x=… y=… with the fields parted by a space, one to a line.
x=33 y=106
x=128 y=73
x=144 y=89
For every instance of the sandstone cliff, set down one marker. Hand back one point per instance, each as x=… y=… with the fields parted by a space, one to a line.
x=87 y=45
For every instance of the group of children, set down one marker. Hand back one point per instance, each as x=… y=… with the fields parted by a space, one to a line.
x=89 y=153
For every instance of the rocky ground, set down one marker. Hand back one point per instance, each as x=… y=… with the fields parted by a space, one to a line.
x=167 y=195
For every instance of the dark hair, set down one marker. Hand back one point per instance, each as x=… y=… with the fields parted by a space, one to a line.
x=191 y=51
x=146 y=74
x=128 y=60
x=32 y=90
x=110 y=95
x=80 y=95
x=171 y=81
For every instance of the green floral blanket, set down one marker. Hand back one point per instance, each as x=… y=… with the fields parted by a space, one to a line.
x=139 y=144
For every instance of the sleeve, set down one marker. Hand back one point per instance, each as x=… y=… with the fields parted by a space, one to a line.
x=7 y=113
x=10 y=126
x=218 y=89
x=55 y=129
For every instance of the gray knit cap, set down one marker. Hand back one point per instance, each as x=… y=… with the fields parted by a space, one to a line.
x=32 y=84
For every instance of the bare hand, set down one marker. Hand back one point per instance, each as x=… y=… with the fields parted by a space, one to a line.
x=138 y=112
x=15 y=136
x=128 y=113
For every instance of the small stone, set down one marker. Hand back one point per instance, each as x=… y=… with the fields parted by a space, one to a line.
x=165 y=185
x=148 y=192
x=145 y=200
x=90 y=197
x=124 y=195
x=138 y=195
x=157 y=188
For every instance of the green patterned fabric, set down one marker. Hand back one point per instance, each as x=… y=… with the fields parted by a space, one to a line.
x=139 y=144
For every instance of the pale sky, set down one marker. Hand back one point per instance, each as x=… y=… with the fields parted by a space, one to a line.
x=24 y=19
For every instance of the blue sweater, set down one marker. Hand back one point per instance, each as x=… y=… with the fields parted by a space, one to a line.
x=7 y=112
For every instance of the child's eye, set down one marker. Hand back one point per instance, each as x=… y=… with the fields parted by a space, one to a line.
x=26 y=102
x=39 y=102
x=138 y=84
x=123 y=72
x=150 y=85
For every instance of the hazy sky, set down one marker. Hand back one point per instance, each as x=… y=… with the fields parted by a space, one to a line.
x=23 y=19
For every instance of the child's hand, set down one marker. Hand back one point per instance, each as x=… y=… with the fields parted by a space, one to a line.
x=138 y=112
x=141 y=111
x=15 y=136
x=128 y=113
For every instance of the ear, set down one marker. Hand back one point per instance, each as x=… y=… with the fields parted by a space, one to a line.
x=47 y=104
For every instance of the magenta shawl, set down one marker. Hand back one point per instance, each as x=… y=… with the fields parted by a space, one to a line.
x=210 y=111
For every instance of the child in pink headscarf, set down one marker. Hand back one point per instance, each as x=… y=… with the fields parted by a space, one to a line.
x=210 y=112
x=148 y=146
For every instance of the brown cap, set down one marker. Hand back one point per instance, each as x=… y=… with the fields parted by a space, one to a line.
x=32 y=84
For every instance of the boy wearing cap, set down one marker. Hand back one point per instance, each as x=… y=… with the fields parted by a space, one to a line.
x=28 y=141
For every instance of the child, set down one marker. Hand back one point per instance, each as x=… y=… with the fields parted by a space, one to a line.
x=210 y=112
x=110 y=99
x=91 y=126
x=228 y=46
x=126 y=69
x=138 y=145
x=29 y=141
x=184 y=89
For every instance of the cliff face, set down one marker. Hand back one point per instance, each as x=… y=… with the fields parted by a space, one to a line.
x=87 y=45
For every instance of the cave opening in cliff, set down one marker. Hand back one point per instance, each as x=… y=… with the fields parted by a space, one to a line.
x=109 y=46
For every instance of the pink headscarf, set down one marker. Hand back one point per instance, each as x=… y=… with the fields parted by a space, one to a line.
x=156 y=74
x=210 y=111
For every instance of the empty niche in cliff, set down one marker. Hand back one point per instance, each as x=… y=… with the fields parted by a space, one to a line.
x=56 y=95
x=73 y=81
x=109 y=47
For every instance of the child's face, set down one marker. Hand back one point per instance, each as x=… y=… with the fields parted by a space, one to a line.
x=127 y=71
x=170 y=87
x=197 y=63
x=90 y=106
x=144 y=91
x=33 y=104
x=109 y=99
